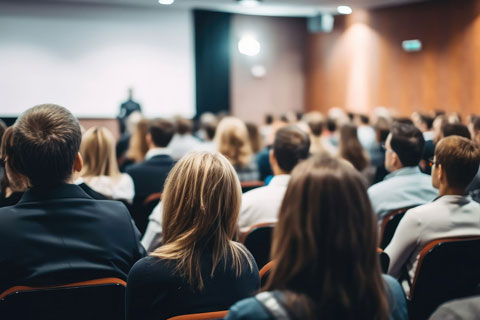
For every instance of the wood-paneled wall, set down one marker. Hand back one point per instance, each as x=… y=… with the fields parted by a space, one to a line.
x=361 y=64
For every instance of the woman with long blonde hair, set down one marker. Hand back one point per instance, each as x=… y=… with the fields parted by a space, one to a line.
x=233 y=141
x=100 y=170
x=324 y=250
x=199 y=267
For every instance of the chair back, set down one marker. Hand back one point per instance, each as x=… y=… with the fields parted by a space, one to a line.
x=384 y=260
x=258 y=240
x=389 y=225
x=447 y=269
x=264 y=273
x=94 y=299
x=250 y=185
x=201 y=316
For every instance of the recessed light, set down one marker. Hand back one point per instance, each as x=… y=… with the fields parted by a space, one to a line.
x=249 y=3
x=344 y=10
x=166 y=2
x=249 y=46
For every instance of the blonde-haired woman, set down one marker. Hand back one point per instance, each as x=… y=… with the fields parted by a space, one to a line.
x=233 y=141
x=100 y=170
x=199 y=268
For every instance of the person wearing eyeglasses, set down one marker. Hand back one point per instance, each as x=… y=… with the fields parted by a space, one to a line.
x=405 y=186
x=452 y=214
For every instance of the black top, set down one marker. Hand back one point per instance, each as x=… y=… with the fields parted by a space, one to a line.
x=61 y=235
x=154 y=291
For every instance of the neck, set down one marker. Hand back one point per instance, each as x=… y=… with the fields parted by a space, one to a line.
x=446 y=190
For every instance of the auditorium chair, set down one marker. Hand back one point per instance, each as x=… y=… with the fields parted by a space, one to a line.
x=202 y=316
x=447 y=269
x=87 y=300
x=389 y=225
x=250 y=185
x=264 y=273
x=384 y=260
x=258 y=240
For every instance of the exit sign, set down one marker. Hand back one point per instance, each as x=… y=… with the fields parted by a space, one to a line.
x=412 y=45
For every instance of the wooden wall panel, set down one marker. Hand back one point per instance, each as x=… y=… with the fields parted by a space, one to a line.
x=361 y=64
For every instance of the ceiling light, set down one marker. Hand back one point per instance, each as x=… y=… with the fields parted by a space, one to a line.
x=344 y=10
x=166 y=2
x=249 y=46
x=249 y=3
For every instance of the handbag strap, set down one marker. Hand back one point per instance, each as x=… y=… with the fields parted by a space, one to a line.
x=273 y=305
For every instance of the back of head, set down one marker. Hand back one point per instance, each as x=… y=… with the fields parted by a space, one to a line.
x=315 y=122
x=407 y=142
x=98 y=153
x=254 y=135
x=350 y=147
x=46 y=140
x=233 y=142
x=208 y=122
x=455 y=129
x=183 y=125
x=325 y=243
x=291 y=145
x=201 y=203
x=426 y=120
x=161 y=131
x=459 y=158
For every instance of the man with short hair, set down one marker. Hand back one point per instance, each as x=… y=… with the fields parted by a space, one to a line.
x=56 y=233
x=452 y=214
x=405 y=186
x=261 y=205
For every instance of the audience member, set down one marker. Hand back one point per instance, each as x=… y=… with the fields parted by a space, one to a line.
x=350 y=148
x=254 y=136
x=324 y=250
x=199 y=268
x=149 y=176
x=458 y=309
x=61 y=235
x=455 y=129
x=100 y=170
x=12 y=185
x=262 y=204
x=405 y=186
x=438 y=124
x=3 y=127
x=138 y=147
x=452 y=214
x=366 y=133
x=123 y=142
x=183 y=140
x=233 y=142
x=382 y=129
x=316 y=124
x=208 y=125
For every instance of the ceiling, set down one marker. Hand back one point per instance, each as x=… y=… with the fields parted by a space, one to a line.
x=268 y=7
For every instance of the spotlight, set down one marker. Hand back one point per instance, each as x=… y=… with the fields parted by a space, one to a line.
x=248 y=46
x=344 y=10
x=166 y=2
x=249 y=3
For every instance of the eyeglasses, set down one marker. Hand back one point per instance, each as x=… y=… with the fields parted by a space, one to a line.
x=384 y=147
x=431 y=162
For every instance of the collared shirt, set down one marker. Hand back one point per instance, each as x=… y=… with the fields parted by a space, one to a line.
x=156 y=152
x=405 y=187
x=262 y=204
x=446 y=217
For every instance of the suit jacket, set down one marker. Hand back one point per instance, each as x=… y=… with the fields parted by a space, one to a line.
x=149 y=176
x=62 y=235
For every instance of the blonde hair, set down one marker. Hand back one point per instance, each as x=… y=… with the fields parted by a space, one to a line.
x=138 y=143
x=201 y=204
x=98 y=153
x=233 y=141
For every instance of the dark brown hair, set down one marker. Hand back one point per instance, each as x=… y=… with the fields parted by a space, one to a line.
x=161 y=131
x=350 y=147
x=290 y=146
x=407 y=142
x=46 y=140
x=325 y=245
x=460 y=158
x=455 y=129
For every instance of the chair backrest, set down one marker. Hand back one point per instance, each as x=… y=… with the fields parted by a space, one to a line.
x=447 y=269
x=202 y=316
x=384 y=260
x=94 y=299
x=264 y=273
x=389 y=225
x=249 y=185
x=258 y=241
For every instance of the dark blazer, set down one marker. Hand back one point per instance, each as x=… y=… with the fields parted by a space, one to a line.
x=62 y=235
x=148 y=177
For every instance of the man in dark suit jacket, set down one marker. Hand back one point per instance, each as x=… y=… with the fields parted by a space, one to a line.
x=149 y=176
x=56 y=233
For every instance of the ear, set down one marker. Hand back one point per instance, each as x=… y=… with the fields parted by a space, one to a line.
x=396 y=161
x=440 y=173
x=148 y=139
x=78 y=163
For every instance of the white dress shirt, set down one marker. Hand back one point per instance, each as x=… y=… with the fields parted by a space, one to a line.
x=153 y=236
x=115 y=188
x=447 y=216
x=262 y=204
x=183 y=144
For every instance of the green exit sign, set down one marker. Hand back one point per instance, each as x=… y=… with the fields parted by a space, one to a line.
x=412 y=45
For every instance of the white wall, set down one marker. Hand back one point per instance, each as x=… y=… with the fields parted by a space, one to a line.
x=84 y=57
